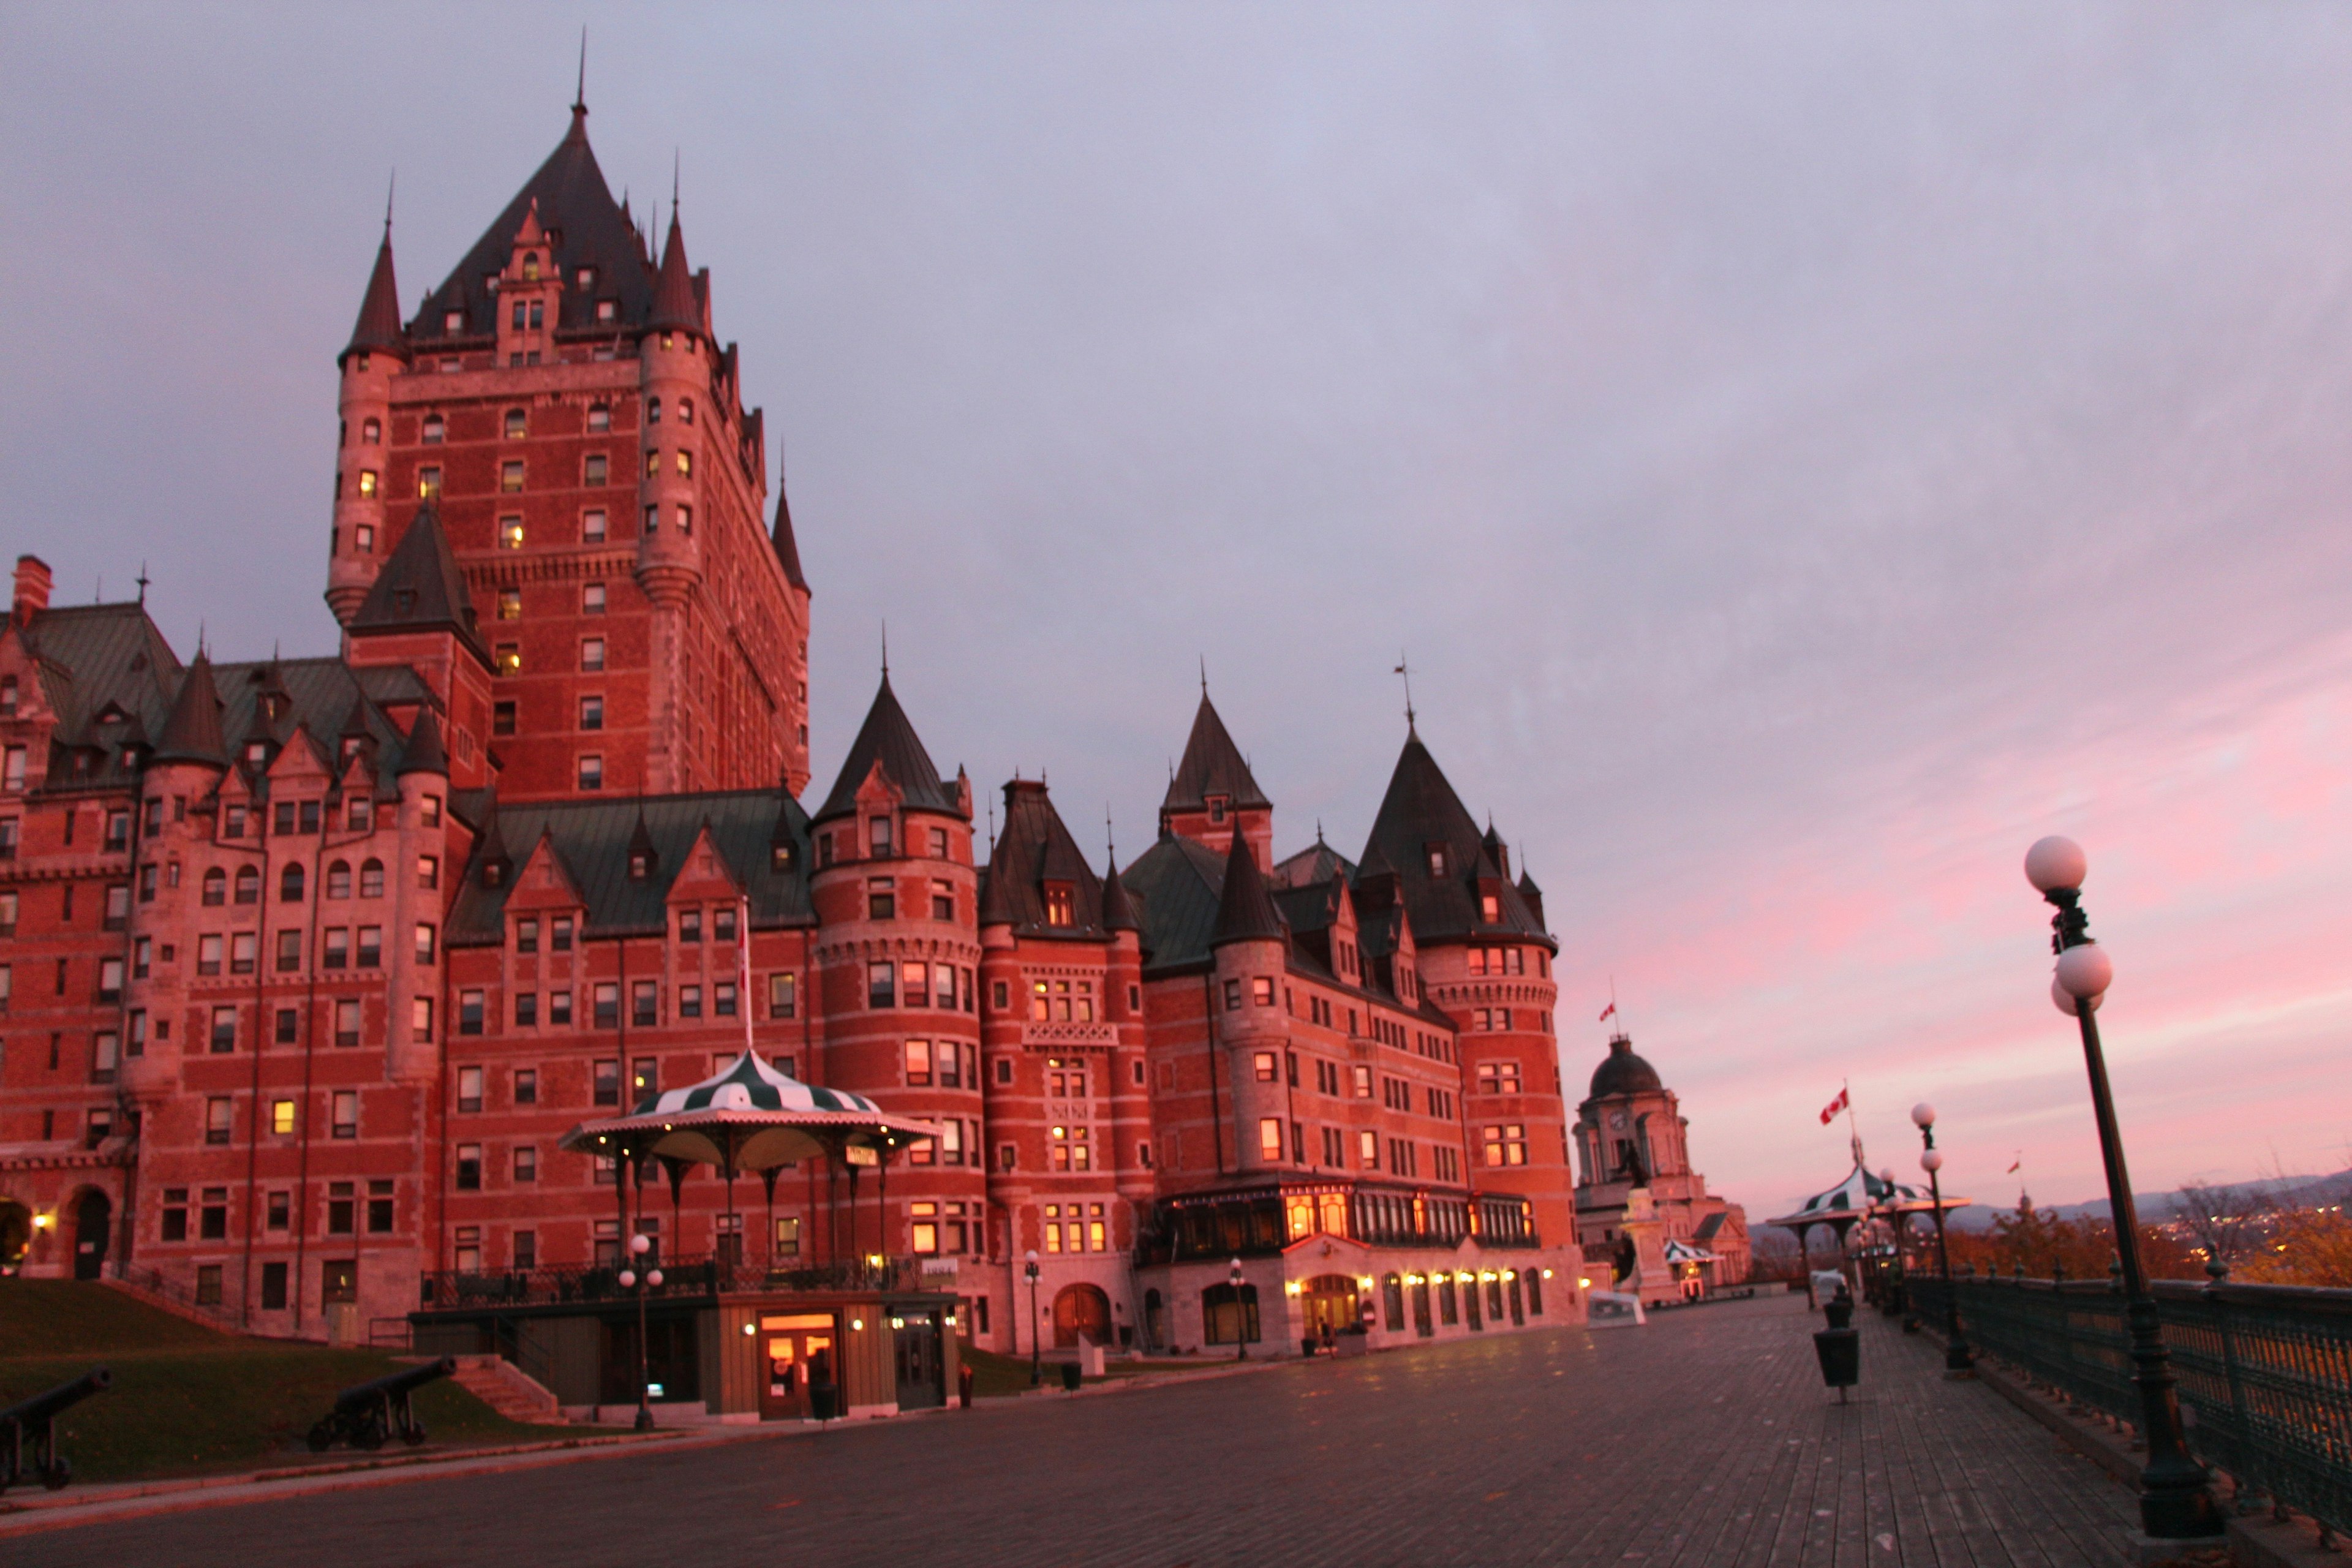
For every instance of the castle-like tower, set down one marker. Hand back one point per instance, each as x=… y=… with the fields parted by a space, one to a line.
x=1642 y=1211
x=561 y=401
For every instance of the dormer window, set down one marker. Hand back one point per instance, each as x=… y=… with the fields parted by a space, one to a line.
x=404 y=600
x=583 y=277
x=1437 y=859
x=641 y=865
x=780 y=856
x=518 y=424
x=530 y=267
x=608 y=310
x=1490 y=908
x=257 y=752
x=1216 y=808
x=453 y=322
x=1060 y=905
x=878 y=835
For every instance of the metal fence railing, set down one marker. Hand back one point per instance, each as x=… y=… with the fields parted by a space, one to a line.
x=2264 y=1370
x=685 y=1277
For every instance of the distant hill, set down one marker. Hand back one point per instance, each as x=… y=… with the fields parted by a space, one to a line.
x=2155 y=1208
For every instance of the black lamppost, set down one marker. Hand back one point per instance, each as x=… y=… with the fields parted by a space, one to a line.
x=1240 y=1320
x=2174 y=1503
x=1957 y=1360
x=639 y=1244
x=1036 y=1335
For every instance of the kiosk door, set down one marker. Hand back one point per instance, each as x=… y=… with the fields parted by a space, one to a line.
x=788 y=1341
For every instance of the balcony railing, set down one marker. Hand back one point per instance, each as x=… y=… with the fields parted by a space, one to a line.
x=2264 y=1370
x=695 y=1278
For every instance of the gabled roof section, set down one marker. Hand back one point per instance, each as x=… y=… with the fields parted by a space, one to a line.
x=91 y=657
x=888 y=738
x=1420 y=812
x=1034 y=848
x=1174 y=885
x=421 y=588
x=193 y=732
x=1213 y=765
x=1118 y=909
x=591 y=230
x=378 y=328
x=589 y=841
x=1246 y=912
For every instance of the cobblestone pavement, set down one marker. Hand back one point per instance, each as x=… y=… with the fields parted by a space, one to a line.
x=1704 y=1439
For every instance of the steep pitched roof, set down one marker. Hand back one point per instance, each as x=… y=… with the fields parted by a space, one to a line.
x=788 y=549
x=1174 y=885
x=421 y=588
x=424 y=754
x=1419 y=813
x=1213 y=765
x=888 y=739
x=1118 y=909
x=378 y=330
x=591 y=839
x=1246 y=912
x=674 y=307
x=1034 y=848
x=591 y=230
x=193 y=732
x=94 y=658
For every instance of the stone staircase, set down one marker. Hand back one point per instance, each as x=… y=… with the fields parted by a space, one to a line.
x=508 y=1390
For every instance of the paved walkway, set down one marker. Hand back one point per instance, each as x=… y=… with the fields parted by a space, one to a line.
x=1705 y=1439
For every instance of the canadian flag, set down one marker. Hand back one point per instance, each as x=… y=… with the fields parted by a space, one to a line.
x=1829 y=1111
x=1608 y=1013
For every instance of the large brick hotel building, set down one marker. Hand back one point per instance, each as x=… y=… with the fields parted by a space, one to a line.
x=306 y=965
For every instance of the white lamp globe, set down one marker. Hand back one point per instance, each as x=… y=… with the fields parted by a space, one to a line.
x=628 y=1279
x=1923 y=1115
x=653 y=1277
x=641 y=1244
x=2084 y=972
x=2053 y=863
x=2065 y=1004
x=1932 y=1161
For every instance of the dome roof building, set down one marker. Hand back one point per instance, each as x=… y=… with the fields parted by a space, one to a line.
x=1641 y=1210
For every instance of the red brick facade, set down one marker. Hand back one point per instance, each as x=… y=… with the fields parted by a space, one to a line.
x=310 y=963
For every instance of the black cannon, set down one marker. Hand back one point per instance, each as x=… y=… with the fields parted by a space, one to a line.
x=367 y=1414
x=35 y=1418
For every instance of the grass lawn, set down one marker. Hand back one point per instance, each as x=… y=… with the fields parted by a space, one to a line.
x=188 y=1398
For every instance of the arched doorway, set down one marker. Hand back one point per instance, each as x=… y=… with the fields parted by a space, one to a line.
x=92 y=1216
x=1080 y=1310
x=15 y=1236
x=1329 y=1300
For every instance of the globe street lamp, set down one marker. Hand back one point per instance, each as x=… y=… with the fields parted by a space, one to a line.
x=1240 y=1325
x=2174 y=1503
x=1957 y=1359
x=639 y=1244
x=1036 y=1339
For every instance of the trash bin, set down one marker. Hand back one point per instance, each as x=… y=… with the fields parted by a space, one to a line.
x=821 y=1397
x=964 y=1379
x=1070 y=1377
x=1840 y=1352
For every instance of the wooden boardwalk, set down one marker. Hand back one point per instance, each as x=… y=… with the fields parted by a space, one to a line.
x=1705 y=1439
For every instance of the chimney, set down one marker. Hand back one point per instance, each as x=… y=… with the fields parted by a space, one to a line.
x=33 y=579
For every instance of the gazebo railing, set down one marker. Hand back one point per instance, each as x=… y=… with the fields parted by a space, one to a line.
x=702 y=1277
x=2264 y=1370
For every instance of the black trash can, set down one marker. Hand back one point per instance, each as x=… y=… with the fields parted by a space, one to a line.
x=1839 y=1351
x=821 y=1397
x=1070 y=1377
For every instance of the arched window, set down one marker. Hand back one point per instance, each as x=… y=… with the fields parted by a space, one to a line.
x=216 y=886
x=371 y=431
x=686 y=410
x=338 y=879
x=518 y=424
x=248 y=885
x=530 y=267
x=371 y=880
x=289 y=884
x=652 y=410
x=436 y=429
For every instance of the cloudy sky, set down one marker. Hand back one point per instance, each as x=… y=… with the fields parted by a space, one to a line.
x=1807 y=453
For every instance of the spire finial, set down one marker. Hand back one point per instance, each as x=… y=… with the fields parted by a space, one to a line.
x=1204 y=678
x=142 y=584
x=580 y=93
x=1405 y=670
x=1111 y=839
x=390 y=185
x=674 y=164
x=886 y=650
x=200 y=638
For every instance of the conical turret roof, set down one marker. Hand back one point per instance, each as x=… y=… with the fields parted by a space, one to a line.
x=378 y=328
x=191 y=733
x=1117 y=914
x=674 y=304
x=1213 y=765
x=424 y=754
x=787 y=547
x=1246 y=912
x=1439 y=854
x=888 y=739
x=421 y=587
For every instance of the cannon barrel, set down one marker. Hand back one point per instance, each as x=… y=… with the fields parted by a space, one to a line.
x=42 y=1406
x=393 y=1385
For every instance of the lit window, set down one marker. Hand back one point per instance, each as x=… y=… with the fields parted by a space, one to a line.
x=428 y=482
x=518 y=424
x=511 y=604
x=1059 y=908
x=436 y=429
x=511 y=531
x=653 y=462
x=592 y=773
x=509 y=658
x=685 y=463
x=510 y=476
x=367 y=481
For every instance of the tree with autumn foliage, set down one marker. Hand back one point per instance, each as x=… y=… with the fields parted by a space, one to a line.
x=2048 y=1246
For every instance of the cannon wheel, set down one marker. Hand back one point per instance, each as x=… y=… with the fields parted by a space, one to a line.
x=321 y=1438
x=415 y=1433
x=370 y=1434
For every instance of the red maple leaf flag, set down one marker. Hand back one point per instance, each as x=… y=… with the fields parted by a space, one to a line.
x=1609 y=1012
x=1829 y=1111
